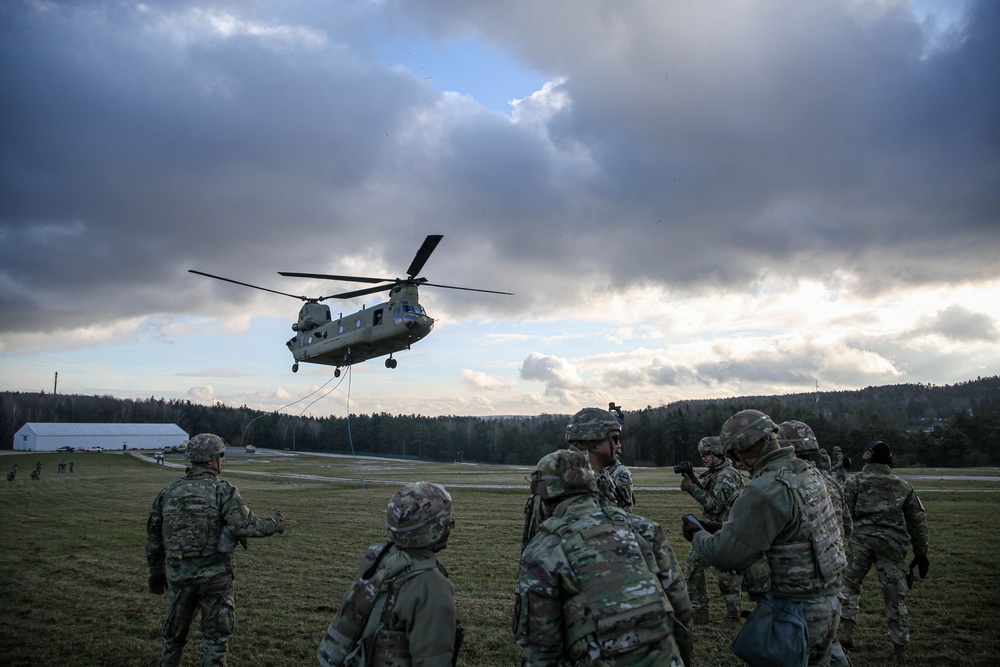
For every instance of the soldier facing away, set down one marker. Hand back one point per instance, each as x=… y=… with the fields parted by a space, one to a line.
x=598 y=433
x=887 y=516
x=400 y=610
x=193 y=529
x=784 y=512
x=597 y=586
x=719 y=487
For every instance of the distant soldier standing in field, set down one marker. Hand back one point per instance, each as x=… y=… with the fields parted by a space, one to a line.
x=596 y=585
x=888 y=516
x=840 y=465
x=598 y=433
x=12 y=474
x=720 y=486
x=192 y=531
x=400 y=610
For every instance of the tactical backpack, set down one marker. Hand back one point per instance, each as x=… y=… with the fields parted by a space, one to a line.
x=366 y=608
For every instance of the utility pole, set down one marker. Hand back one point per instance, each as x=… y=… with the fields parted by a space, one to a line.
x=55 y=384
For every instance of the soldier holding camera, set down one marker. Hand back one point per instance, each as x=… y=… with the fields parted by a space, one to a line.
x=715 y=492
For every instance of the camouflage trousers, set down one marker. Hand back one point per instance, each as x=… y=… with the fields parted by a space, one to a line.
x=822 y=621
x=214 y=598
x=729 y=585
x=891 y=576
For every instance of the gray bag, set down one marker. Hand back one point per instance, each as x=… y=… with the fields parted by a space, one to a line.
x=774 y=635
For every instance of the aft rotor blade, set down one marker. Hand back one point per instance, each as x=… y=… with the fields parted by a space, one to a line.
x=467 y=289
x=263 y=289
x=327 y=276
x=425 y=252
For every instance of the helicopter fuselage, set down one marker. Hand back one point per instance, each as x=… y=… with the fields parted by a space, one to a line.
x=372 y=332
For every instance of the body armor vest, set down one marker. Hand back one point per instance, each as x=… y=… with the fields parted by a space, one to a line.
x=814 y=558
x=192 y=520
x=620 y=600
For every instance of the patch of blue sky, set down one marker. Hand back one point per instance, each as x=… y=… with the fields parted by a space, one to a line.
x=467 y=66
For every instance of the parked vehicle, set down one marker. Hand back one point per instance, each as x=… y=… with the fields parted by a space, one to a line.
x=94 y=448
x=66 y=448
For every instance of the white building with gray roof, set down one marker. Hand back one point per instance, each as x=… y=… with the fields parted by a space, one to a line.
x=45 y=437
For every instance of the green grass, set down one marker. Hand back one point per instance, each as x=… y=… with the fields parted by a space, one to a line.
x=73 y=575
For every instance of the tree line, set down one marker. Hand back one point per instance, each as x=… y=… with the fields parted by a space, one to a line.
x=939 y=426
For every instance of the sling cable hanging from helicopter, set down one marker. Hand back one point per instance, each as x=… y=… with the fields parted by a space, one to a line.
x=350 y=439
x=247 y=427
x=348 y=422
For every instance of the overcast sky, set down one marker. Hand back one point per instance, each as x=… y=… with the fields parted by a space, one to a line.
x=688 y=200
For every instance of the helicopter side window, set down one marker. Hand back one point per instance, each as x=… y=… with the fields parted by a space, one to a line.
x=377 y=317
x=357 y=323
x=340 y=329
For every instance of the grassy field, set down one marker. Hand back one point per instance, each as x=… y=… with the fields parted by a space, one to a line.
x=73 y=575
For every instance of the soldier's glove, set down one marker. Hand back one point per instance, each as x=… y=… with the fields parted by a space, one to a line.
x=712 y=526
x=689 y=527
x=922 y=565
x=279 y=522
x=158 y=584
x=686 y=648
x=686 y=484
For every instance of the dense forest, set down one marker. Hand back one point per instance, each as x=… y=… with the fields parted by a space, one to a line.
x=926 y=425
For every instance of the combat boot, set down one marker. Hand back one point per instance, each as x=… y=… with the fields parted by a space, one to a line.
x=899 y=654
x=846 y=633
x=701 y=616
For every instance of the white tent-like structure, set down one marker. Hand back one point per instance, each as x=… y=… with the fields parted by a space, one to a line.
x=44 y=437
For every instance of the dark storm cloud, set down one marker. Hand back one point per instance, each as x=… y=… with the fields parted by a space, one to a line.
x=696 y=146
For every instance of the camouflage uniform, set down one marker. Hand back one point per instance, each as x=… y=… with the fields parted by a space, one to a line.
x=784 y=512
x=720 y=486
x=597 y=586
x=887 y=516
x=182 y=548
x=839 y=469
x=400 y=610
x=621 y=477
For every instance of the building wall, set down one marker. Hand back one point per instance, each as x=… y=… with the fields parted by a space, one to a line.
x=26 y=440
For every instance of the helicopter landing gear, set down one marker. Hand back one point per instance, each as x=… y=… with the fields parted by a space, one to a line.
x=390 y=363
x=336 y=373
x=295 y=367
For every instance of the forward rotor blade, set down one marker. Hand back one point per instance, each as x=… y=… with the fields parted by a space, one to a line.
x=425 y=251
x=327 y=276
x=263 y=289
x=467 y=289
x=361 y=292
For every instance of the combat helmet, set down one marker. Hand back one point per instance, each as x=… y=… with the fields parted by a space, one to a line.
x=419 y=515
x=204 y=447
x=590 y=427
x=711 y=445
x=745 y=429
x=799 y=435
x=563 y=473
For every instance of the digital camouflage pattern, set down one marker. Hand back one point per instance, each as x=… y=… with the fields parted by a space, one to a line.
x=624 y=487
x=182 y=535
x=563 y=472
x=799 y=436
x=888 y=517
x=711 y=444
x=399 y=611
x=786 y=513
x=204 y=447
x=419 y=515
x=720 y=486
x=598 y=586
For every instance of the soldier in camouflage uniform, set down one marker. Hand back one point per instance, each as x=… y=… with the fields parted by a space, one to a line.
x=190 y=536
x=598 y=433
x=720 y=485
x=838 y=465
x=800 y=437
x=597 y=586
x=887 y=516
x=622 y=478
x=400 y=610
x=784 y=512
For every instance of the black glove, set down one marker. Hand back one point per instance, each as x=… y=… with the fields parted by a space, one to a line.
x=157 y=584
x=689 y=528
x=712 y=526
x=922 y=565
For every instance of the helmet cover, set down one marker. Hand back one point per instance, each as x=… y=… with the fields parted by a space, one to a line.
x=799 y=435
x=745 y=429
x=711 y=445
x=878 y=452
x=204 y=447
x=563 y=473
x=590 y=427
x=419 y=515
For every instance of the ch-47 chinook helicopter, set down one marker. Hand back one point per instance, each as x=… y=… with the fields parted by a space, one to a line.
x=369 y=333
